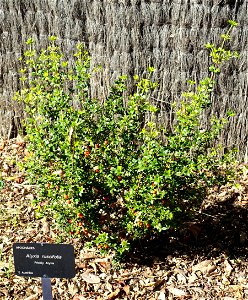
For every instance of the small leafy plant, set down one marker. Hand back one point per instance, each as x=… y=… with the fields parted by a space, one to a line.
x=104 y=171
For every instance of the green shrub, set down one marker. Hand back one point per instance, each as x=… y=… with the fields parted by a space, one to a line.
x=103 y=171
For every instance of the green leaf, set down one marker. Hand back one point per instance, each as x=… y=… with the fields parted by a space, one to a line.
x=1 y=184
x=191 y=82
x=232 y=23
x=209 y=46
x=136 y=77
x=53 y=38
x=29 y=41
x=151 y=69
x=226 y=37
x=214 y=69
x=230 y=113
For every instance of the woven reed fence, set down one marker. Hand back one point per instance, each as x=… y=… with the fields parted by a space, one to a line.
x=126 y=36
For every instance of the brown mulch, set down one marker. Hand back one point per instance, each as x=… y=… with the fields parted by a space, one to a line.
x=206 y=260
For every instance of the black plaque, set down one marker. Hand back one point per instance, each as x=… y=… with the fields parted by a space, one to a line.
x=44 y=260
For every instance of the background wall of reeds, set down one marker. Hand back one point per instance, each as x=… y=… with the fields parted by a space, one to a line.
x=126 y=36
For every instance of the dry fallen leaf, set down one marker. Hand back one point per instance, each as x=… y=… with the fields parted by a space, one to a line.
x=126 y=289
x=158 y=283
x=79 y=297
x=114 y=294
x=205 y=267
x=58 y=172
x=195 y=229
x=2 y=145
x=19 y=140
x=177 y=292
x=5 y=167
x=181 y=278
x=161 y=296
x=32 y=297
x=192 y=278
x=228 y=268
x=90 y=278
x=104 y=264
x=45 y=227
x=72 y=288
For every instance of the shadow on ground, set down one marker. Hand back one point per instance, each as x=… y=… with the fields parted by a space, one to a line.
x=220 y=228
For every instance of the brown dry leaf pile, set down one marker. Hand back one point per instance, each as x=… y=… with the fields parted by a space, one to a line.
x=206 y=260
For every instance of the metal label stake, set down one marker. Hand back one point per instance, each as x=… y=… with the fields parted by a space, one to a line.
x=46 y=288
x=45 y=261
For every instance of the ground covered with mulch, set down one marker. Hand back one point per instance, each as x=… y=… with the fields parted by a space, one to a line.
x=206 y=260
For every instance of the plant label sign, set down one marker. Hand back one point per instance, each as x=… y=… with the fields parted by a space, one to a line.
x=44 y=260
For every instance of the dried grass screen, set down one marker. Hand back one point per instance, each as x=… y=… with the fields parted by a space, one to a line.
x=125 y=36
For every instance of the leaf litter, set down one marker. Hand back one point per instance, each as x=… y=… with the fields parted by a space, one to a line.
x=205 y=260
